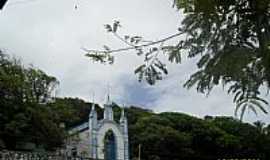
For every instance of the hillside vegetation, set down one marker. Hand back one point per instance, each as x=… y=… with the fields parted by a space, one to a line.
x=28 y=114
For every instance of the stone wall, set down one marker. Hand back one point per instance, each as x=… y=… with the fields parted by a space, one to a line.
x=19 y=155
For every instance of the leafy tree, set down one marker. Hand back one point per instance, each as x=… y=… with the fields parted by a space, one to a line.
x=40 y=85
x=24 y=115
x=231 y=38
x=180 y=136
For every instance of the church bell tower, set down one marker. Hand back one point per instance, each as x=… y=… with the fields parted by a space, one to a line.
x=93 y=131
x=108 y=111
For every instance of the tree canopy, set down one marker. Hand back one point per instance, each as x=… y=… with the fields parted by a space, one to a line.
x=24 y=93
x=29 y=115
x=231 y=39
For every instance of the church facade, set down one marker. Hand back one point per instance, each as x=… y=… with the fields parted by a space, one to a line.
x=100 y=139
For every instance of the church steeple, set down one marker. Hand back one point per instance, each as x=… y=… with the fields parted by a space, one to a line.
x=124 y=127
x=92 y=131
x=122 y=118
x=123 y=122
x=93 y=117
x=108 y=111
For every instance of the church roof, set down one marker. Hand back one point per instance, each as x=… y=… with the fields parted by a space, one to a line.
x=79 y=128
x=85 y=126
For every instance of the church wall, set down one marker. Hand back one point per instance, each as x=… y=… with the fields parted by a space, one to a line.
x=80 y=141
x=83 y=146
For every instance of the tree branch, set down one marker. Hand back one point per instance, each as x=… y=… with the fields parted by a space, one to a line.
x=133 y=46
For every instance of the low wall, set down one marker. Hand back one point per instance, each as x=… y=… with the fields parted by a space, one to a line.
x=19 y=155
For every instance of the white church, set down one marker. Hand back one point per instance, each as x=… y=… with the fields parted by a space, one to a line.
x=100 y=139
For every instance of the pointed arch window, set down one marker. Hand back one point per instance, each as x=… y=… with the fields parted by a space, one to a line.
x=110 y=145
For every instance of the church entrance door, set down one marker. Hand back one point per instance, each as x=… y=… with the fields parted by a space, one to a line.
x=110 y=146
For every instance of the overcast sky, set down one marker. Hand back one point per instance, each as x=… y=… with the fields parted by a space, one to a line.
x=50 y=34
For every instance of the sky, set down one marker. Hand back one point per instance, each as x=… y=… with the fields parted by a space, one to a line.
x=49 y=34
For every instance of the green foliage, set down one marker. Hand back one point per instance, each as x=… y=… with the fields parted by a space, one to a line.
x=179 y=136
x=231 y=38
x=153 y=68
x=24 y=116
x=220 y=137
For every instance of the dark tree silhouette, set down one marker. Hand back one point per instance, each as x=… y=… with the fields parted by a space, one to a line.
x=2 y=3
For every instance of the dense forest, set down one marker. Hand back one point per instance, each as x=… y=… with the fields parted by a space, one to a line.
x=29 y=115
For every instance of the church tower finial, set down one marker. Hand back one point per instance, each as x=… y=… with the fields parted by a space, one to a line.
x=93 y=117
x=122 y=118
x=92 y=124
x=108 y=111
x=108 y=101
x=93 y=109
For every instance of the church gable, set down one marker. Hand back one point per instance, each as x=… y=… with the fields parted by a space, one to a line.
x=100 y=139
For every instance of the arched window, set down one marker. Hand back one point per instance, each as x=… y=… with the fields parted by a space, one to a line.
x=110 y=146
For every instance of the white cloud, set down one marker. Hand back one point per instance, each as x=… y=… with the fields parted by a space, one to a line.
x=50 y=33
